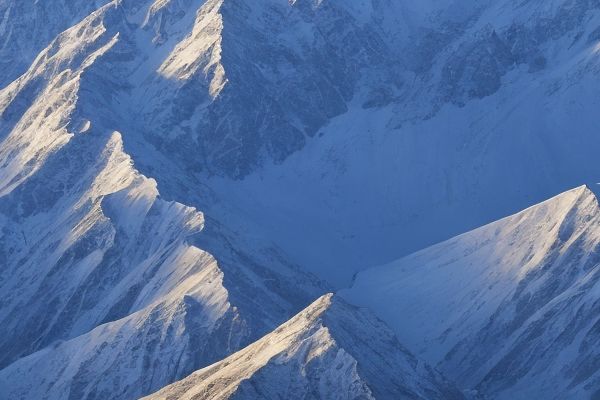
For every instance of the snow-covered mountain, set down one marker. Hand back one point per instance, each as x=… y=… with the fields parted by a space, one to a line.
x=509 y=309
x=180 y=177
x=496 y=112
x=331 y=350
x=89 y=249
x=86 y=241
x=355 y=121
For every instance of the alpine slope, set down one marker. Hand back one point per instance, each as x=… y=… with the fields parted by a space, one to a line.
x=182 y=182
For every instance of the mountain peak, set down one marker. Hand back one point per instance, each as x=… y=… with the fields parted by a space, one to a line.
x=179 y=178
x=324 y=335
x=492 y=288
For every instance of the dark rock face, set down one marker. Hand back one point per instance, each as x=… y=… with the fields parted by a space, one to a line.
x=479 y=57
x=286 y=70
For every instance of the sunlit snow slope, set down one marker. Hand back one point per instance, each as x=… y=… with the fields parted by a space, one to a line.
x=331 y=350
x=510 y=308
x=495 y=110
x=108 y=289
x=178 y=178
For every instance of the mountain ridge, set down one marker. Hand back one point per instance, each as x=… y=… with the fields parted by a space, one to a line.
x=178 y=178
x=520 y=283
x=319 y=335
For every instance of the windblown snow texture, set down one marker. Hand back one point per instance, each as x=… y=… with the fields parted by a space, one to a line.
x=327 y=351
x=179 y=178
x=509 y=308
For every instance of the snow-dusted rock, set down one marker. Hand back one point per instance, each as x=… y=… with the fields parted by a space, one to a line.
x=331 y=350
x=323 y=136
x=510 y=308
x=92 y=257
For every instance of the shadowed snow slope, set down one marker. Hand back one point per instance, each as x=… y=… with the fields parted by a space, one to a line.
x=175 y=173
x=495 y=111
x=510 y=309
x=352 y=122
x=331 y=350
